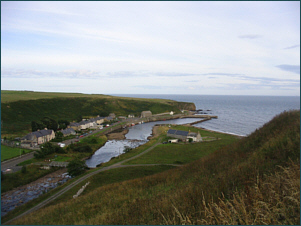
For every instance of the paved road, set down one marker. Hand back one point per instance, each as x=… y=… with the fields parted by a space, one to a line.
x=11 y=163
x=68 y=187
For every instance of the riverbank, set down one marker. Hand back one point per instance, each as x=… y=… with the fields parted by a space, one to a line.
x=119 y=135
x=25 y=193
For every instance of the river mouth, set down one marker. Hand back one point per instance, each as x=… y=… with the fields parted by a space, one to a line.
x=137 y=135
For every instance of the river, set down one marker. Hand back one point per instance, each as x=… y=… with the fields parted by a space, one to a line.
x=136 y=136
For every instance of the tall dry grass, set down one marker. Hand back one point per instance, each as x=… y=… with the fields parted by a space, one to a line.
x=273 y=200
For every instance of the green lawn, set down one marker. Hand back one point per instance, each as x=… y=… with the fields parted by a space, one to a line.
x=8 y=152
x=182 y=153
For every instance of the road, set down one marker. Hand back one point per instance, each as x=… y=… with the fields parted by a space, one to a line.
x=11 y=163
x=68 y=187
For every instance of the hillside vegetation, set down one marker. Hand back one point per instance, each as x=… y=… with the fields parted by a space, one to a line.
x=20 y=108
x=255 y=180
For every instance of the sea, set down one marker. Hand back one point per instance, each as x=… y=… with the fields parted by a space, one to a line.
x=239 y=115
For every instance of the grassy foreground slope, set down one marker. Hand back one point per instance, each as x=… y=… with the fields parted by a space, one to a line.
x=20 y=108
x=253 y=181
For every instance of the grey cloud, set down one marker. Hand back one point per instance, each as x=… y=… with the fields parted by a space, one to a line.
x=290 y=68
x=292 y=47
x=149 y=87
x=263 y=81
x=227 y=74
x=127 y=74
x=20 y=73
x=23 y=73
x=147 y=74
x=250 y=36
x=243 y=86
x=173 y=74
x=193 y=81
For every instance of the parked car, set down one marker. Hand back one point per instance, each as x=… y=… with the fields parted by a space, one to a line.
x=81 y=136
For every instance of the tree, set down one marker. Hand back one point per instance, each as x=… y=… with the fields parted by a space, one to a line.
x=23 y=170
x=76 y=167
x=59 y=135
x=79 y=118
x=63 y=124
x=34 y=126
x=50 y=123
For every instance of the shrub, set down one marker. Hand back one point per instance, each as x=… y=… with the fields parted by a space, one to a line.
x=76 y=167
x=83 y=148
x=23 y=170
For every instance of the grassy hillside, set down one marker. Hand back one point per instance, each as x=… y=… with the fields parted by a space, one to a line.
x=253 y=181
x=19 y=108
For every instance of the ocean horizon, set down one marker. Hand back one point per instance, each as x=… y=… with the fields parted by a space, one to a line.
x=237 y=114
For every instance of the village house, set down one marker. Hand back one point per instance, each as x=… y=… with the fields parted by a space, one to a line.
x=184 y=135
x=146 y=114
x=131 y=116
x=90 y=123
x=68 y=132
x=99 y=120
x=37 y=138
x=112 y=115
x=74 y=125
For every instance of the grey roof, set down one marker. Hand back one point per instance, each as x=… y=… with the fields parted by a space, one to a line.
x=74 y=124
x=68 y=131
x=171 y=131
x=193 y=134
x=40 y=133
x=178 y=132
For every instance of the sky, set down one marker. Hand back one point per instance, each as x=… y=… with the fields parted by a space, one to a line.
x=189 y=47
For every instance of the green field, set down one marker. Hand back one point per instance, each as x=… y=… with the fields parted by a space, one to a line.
x=181 y=153
x=9 y=152
x=18 y=110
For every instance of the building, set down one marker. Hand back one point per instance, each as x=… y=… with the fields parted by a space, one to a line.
x=184 y=135
x=37 y=138
x=74 y=125
x=68 y=132
x=99 y=120
x=146 y=114
x=112 y=115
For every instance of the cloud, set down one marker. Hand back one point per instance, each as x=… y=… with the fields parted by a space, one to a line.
x=276 y=86
x=290 y=68
x=70 y=74
x=250 y=36
x=221 y=73
x=292 y=47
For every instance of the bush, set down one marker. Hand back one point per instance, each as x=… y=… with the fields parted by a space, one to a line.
x=83 y=148
x=76 y=167
x=47 y=149
x=23 y=170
